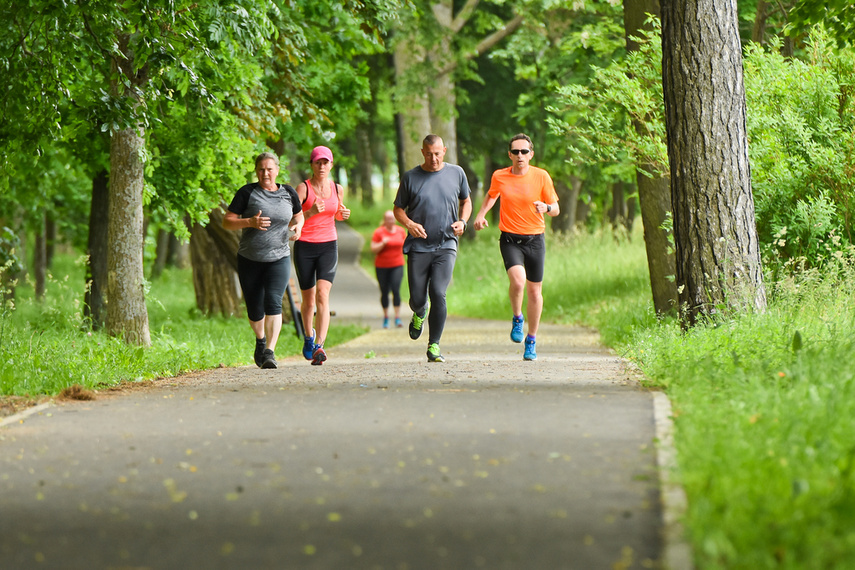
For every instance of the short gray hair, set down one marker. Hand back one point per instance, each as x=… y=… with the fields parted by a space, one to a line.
x=266 y=156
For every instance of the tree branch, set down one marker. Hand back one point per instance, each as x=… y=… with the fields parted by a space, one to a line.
x=486 y=44
x=464 y=15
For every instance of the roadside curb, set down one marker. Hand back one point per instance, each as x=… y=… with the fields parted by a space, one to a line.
x=677 y=552
x=21 y=416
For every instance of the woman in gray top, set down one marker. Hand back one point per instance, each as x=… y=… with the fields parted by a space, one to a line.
x=265 y=211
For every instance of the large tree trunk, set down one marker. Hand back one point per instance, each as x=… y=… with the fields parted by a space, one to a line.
x=718 y=255
x=213 y=254
x=126 y=310
x=654 y=191
x=94 y=306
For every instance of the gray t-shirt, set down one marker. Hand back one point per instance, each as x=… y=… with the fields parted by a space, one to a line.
x=432 y=199
x=280 y=206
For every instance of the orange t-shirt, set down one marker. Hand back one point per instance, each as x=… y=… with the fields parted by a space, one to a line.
x=517 y=193
x=392 y=255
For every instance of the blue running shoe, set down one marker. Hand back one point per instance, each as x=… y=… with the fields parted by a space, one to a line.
x=398 y=323
x=530 y=351
x=516 y=329
x=386 y=323
x=309 y=346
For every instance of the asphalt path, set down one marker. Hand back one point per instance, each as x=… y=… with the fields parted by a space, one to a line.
x=377 y=459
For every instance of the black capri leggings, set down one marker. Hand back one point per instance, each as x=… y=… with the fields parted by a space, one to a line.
x=315 y=261
x=263 y=284
x=389 y=279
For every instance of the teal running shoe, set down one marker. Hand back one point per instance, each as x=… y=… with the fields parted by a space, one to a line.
x=517 y=329
x=530 y=349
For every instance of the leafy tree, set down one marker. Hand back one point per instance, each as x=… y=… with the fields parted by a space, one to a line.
x=803 y=149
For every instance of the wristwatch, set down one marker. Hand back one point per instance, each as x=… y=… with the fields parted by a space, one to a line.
x=548 y=208
x=464 y=224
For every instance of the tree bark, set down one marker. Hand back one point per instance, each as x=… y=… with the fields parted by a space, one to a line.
x=126 y=311
x=717 y=250
x=94 y=306
x=213 y=254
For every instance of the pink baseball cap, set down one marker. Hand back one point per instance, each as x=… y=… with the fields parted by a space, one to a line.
x=320 y=152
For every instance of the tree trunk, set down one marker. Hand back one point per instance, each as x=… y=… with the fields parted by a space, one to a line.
x=179 y=253
x=94 y=306
x=364 y=164
x=758 y=32
x=568 y=196
x=654 y=192
x=161 y=254
x=40 y=261
x=654 y=195
x=413 y=107
x=50 y=240
x=617 y=212
x=718 y=255
x=126 y=310
x=213 y=254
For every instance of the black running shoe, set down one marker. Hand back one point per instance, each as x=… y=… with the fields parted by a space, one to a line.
x=260 y=343
x=269 y=360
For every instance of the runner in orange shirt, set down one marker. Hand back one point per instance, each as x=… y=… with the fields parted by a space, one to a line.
x=526 y=193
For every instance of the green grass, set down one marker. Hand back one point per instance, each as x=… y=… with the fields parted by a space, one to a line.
x=45 y=347
x=765 y=434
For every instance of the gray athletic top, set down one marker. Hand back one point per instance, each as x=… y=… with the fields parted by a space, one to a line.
x=280 y=206
x=432 y=199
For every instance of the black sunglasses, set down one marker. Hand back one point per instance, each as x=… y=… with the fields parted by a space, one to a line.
x=516 y=151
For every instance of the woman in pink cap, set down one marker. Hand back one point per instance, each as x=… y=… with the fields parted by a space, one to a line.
x=316 y=252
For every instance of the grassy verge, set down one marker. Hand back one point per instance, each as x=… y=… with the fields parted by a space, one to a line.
x=763 y=402
x=45 y=347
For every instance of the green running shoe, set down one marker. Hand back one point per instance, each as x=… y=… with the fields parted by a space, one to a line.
x=433 y=353
x=416 y=325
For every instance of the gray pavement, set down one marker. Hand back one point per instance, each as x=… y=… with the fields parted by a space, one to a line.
x=377 y=459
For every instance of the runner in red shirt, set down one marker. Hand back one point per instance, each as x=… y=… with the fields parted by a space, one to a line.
x=387 y=244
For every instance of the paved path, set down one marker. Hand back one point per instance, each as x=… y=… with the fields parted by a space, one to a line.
x=375 y=460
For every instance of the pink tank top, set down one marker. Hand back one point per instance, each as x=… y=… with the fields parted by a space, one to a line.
x=320 y=228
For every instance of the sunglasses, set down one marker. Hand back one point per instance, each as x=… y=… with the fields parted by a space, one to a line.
x=516 y=151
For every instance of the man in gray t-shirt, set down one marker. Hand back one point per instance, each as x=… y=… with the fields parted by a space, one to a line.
x=433 y=204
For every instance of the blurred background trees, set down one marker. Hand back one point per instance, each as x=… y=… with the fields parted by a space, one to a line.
x=192 y=93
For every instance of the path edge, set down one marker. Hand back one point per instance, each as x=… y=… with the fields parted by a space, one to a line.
x=677 y=552
x=19 y=417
